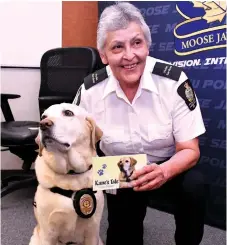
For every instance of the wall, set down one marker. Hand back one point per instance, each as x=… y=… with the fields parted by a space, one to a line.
x=79 y=23
x=28 y=29
x=74 y=25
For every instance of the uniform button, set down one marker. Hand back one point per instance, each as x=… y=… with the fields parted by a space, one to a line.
x=133 y=115
x=131 y=109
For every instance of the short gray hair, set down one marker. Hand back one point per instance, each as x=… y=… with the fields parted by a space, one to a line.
x=118 y=16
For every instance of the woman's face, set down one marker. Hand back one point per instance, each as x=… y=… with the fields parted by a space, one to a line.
x=125 y=51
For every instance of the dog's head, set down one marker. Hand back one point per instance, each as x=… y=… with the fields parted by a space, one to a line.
x=127 y=163
x=64 y=126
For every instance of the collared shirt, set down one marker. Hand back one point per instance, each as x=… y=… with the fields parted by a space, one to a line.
x=157 y=117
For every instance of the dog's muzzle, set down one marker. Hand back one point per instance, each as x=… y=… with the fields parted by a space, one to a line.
x=46 y=127
x=127 y=177
x=45 y=124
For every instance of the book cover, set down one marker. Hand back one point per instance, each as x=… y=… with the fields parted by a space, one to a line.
x=113 y=172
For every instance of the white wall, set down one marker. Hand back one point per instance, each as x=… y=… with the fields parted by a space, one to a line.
x=25 y=82
x=28 y=29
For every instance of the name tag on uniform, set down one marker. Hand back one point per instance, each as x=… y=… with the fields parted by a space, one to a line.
x=113 y=172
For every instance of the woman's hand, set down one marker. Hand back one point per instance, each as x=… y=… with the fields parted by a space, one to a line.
x=153 y=176
x=149 y=177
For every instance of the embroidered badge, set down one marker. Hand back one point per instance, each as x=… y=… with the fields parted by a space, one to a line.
x=167 y=70
x=187 y=93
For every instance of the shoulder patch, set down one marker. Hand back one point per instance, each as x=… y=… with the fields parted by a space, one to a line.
x=167 y=70
x=94 y=78
x=186 y=92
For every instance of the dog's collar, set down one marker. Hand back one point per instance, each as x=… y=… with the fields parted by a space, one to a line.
x=84 y=200
x=68 y=243
x=66 y=193
x=126 y=176
x=72 y=172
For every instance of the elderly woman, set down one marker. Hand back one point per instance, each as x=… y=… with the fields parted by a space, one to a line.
x=145 y=105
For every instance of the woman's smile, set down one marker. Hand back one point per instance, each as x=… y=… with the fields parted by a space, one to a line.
x=130 y=66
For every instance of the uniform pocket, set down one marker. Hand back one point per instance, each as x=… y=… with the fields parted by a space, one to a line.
x=159 y=131
x=114 y=140
x=113 y=135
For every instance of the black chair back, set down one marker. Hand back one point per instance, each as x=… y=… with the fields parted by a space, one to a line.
x=63 y=71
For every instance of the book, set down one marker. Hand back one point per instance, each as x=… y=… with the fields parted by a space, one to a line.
x=113 y=172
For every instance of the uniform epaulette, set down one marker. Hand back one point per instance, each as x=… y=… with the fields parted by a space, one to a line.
x=95 y=78
x=167 y=70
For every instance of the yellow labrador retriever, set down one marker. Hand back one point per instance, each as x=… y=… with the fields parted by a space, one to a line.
x=127 y=167
x=67 y=210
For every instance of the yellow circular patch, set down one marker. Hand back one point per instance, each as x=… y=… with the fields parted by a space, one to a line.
x=86 y=204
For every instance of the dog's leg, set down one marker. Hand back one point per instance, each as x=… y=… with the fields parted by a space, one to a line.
x=42 y=238
x=48 y=237
x=100 y=241
x=92 y=236
x=92 y=240
x=35 y=237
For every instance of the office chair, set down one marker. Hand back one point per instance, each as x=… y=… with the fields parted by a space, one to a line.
x=62 y=73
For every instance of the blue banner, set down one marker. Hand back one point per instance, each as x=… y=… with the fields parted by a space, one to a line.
x=192 y=35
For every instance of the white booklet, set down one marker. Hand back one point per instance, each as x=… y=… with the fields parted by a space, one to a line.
x=113 y=172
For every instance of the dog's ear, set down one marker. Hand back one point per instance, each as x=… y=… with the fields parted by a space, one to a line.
x=39 y=143
x=96 y=132
x=119 y=164
x=133 y=161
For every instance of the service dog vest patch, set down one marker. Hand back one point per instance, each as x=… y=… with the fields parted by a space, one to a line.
x=167 y=70
x=84 y=202
x=95 y=78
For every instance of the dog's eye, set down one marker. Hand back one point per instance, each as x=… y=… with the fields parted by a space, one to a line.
x=43 y=117
x=127 y=161
x=68 y=113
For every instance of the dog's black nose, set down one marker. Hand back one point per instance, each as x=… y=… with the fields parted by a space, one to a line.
x=45 y=124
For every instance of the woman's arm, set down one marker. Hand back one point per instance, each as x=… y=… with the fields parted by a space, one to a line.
x=153 y=176
x=187 y=155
